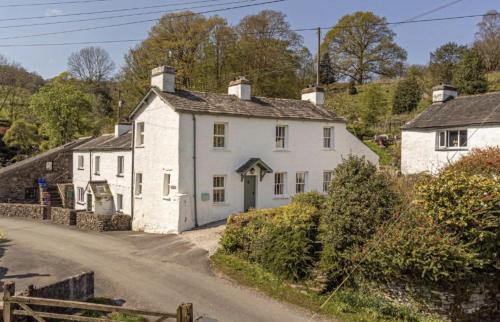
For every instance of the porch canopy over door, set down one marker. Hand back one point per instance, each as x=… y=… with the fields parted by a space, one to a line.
x=253 y=163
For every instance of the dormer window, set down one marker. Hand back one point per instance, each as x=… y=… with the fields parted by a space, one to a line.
x=452 y=139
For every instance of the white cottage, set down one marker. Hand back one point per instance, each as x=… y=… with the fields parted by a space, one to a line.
x=449 y=129
x=199 y=157
x=102 y=172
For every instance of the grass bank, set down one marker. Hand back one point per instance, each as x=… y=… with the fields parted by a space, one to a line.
x=345 y=306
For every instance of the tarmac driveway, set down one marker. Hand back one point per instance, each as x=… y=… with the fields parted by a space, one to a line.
x=146 y=270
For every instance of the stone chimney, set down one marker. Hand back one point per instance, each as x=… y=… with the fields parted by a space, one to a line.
x=443 y=93
x=122 y=128
x=241 y=88
x=314 y=94
x=163 y=78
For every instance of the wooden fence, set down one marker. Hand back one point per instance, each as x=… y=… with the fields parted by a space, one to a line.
x=36 y=308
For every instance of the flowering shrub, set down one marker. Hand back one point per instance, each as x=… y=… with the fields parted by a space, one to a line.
x=480 y=161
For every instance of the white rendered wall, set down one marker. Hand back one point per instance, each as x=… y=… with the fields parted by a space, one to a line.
x=419 y=153
x=108 y=172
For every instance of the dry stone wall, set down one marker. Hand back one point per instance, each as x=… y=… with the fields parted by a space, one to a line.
x=102 y=222
x=63 y=216
x=75 y=288
x=31 y=211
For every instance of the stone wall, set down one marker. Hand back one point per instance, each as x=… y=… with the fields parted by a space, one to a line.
x=100 y=222
x=63 y=216
x=32 y=211
x=75 y=288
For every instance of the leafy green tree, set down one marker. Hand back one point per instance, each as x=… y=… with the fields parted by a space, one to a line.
x=327 y=74
x=362 y=46
x=63 y=111
x=444 y=60
x=372 y=104
x=22 y=135
x=407 y=95
x=470 y=74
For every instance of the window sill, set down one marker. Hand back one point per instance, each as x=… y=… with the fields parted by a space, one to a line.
x=281 y=150
x=119 y=175
x=220 y=150
x=80 y=203
x=166 y=198
x=81 y=169
x=281 y=197
x=328 y=149
x=220 y=204
x=97 y=174
x=139 y=146
x=451 y=149
x=138 y=197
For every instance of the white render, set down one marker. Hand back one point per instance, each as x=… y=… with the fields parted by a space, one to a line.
x=316 y=97
x=108 y=172
x=419 y=152
x=168 y=148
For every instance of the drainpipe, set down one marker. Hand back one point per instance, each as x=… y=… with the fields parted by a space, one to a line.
x=132 y=177
x=90 y=165
x=194 y=173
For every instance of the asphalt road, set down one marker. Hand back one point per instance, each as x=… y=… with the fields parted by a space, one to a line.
x=146 y=270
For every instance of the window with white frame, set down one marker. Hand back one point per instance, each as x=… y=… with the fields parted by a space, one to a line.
x=220 y=134
x=281 y=139
x=279 y=183
x=219 y=189
x=119 y=202
x=80 y=162
x=452 y=139
x=120 y=168
x=166 y=184
x=327 y=179
x=140 y=134
x=300 y=182
x=138 y=184
x=97 y=165
x=80 y=195
x=328 y=133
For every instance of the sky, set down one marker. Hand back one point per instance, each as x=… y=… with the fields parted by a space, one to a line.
x=417 y=39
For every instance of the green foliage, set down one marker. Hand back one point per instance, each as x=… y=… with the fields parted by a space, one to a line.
x=407 y=95
x=444 y=60
x=470 y=74
x=63 y=111
x=312 y=198
x=22 y=135
x=372 y=104
x=327 y=73
x=485 y=161
x=359 y=200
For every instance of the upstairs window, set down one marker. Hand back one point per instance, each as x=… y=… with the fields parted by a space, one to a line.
x=166 y=184
x=219 y=189
x=452 y=139
x=120 y=166
x=279 y=183
x=300 y=182
x=138 y=184
x=140 y=134
x=80 y=162
x=327 y=179
x=220 y=130
x=328 y=137
x=80 y=195
x=281 y=139
x=97 y=165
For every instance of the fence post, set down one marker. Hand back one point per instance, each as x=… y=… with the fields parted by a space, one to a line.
x=185 y=312
x=9 y=288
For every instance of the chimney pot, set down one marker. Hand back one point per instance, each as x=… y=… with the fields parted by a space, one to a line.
x=241 y=87
x=163 y=78
x=314 y=94
x=443 y=93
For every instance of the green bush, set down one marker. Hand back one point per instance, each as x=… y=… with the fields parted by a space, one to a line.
x=484 y=161
x=313 y=198
x=359 y=200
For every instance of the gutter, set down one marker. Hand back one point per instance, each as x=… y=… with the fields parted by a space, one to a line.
x=194 y=173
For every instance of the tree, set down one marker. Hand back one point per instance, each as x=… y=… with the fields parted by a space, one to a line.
x=63 y=111
x=407 y=95
x=22 y=135
x=444 y=60
x=362 y=46
x=91 y=64
x=327 y=73
x=372 y=104
x=469 y=76
x=488 y=40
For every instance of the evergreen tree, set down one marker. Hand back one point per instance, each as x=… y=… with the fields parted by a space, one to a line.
x=373 y=104
x=407 y=95
x=326 y=72
x=444 y=60
x=469 y=76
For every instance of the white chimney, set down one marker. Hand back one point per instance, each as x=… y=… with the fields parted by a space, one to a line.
x=443 y=93
x=314 y=94
x=122 y=128
x=241 y=87
x=163 y=78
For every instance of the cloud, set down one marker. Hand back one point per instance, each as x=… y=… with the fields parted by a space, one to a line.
x=53 y=12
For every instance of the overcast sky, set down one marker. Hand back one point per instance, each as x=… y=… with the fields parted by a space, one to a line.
x=418 y=39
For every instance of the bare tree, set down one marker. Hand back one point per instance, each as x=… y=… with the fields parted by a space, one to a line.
x=488 y=40
x=91 y=64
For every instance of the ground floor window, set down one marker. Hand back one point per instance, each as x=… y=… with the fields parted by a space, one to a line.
x=279 y=183
x=80 y=194
x=219 y=189
x=327 y=179
x=138 y=184
x=119 y=202
x=300 y=182
x=452 y=139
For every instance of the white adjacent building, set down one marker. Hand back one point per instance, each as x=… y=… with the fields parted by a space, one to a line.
x=102 y=173
x=199 y=157
x=449 y=129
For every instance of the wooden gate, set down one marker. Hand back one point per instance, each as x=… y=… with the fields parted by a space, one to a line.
x=36 y=308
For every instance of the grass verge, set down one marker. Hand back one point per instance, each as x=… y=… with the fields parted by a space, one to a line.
x=345 y=306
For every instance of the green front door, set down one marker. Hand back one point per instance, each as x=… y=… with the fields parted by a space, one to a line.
x=249 y=192
x=89 y=202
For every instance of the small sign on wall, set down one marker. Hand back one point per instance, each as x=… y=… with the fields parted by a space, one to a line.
x=48 y=166
x=205 y=196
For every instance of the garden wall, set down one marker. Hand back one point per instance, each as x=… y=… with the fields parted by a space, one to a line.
x=102 y=222
x=32 y=211
x=63 y=216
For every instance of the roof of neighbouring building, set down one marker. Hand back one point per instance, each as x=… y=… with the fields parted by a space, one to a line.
x=481 y=109
x=108 y=142
x=259 y=107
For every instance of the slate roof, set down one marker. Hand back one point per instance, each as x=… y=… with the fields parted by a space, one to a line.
x=108 y=142
x=261 y=107
x=254 y=162
x=461 y=111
